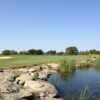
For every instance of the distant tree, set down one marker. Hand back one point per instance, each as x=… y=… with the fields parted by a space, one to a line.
x=9 y=52
x=23 y=52
x=6 y=52
x=51 y=52
x=72 y=51
x=93 y=51
x=60 y=53
x=32 y=51
x=39 y=52
x=98 y=52
x=84 y=52
x=13 y=52
x=35 y=52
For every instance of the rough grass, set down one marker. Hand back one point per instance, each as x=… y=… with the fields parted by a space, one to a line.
x=26 y=60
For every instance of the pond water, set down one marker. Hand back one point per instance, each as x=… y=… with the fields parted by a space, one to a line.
x=71 y=86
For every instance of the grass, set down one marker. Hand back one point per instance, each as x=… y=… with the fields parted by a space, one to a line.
x=84 y=94
x=27 y=60
x=97 y=64
x=67 y=66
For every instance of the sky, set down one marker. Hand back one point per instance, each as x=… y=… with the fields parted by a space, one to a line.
x=49 y=24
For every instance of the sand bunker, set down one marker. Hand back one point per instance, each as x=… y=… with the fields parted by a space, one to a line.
x=6 y=57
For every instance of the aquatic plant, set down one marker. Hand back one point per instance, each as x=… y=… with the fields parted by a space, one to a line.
x=67 y=66
x=85 y=65
x=84 y=94
x=97 y=64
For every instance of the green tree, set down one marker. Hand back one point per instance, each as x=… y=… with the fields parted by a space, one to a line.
x=51 y=52
x=72 y=51
x=9 y=52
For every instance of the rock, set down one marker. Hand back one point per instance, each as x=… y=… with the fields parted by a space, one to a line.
x=50 y=98
x=43 y=87
x=17 y=84
x=8 y=87
x=34 y=69
x=11 y=78
x=23 y=78
x=25 y=94
x=22 y=70
x=44 y=66
x=35 y=76
x=53 y=66
x=43 y=75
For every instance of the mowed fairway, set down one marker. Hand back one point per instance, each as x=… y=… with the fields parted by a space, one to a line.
x=27 y=60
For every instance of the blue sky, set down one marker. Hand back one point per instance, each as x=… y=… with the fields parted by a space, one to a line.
x=49 y=24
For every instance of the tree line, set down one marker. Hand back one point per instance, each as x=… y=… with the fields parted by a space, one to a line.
x=68 y=51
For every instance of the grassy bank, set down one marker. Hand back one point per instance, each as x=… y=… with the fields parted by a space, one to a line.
x=25 y=60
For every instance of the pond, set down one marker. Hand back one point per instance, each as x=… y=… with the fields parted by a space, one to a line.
x=81 y=83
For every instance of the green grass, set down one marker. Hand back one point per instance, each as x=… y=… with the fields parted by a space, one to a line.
x=67 y=66
x=84 y=94
x=26 y=60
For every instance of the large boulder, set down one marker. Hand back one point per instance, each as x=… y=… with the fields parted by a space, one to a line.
x=41 y=88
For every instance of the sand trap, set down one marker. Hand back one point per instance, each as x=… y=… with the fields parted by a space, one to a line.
x=6 y=57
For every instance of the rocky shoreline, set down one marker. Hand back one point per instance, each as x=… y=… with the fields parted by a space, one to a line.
x=28 y=83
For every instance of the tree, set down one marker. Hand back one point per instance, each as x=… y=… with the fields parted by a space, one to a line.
x=9 y=52
x=31 y=51
x=72 y=51
x=13 y=52
x=84 y=52
x=23 y=52
x=35 y=52
x=6 y=52
x=39 y=52
x=60 y=53
x=93 y=51
x=51 y=52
